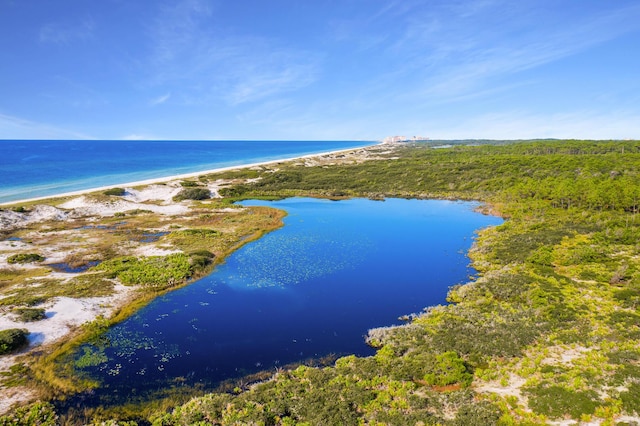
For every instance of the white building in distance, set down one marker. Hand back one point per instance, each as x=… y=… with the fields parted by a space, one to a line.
x=399 y=139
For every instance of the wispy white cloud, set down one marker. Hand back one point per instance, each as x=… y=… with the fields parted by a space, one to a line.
x=160 y=99
x=251 y=77
x=12 y=127
x=176 y=29
x=202 y=63
x=454 y=49
x=139 y=137
x=445 y=53
x=584 y=124
x=65 y=33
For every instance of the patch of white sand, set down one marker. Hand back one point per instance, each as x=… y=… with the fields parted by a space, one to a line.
x=147 y=251
x=63 y=314
x=10 y=219
x=14 y=395
x=164 y=193
x=83 y=206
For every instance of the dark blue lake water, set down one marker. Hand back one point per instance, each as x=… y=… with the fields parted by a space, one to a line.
x=309 y=289
x=31 y=168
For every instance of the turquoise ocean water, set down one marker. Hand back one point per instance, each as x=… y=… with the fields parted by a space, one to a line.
x=40 y=168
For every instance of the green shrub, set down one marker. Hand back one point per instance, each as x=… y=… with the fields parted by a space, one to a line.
x=189 y=184
x=193 y=194
x=542 y=256
x=25 y=258
x=154 y=271
x=555 y=401
x=587 y=254
x=38 y=413
x=448 y=369
x=197 y=232
x=480 y=413
x=628 y=297
x=115 y=191
x=202 y=253
x=30 y=314
x=479 y=334
x=12 y=340
x=200 y=259
x=631 y=399
x=234 y=191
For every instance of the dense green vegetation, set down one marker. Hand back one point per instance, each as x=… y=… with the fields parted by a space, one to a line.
x=552 y=322
x=12 y=340
x=29 y=314
x=193 y=193
x=189 y=184
x=550 y=329
x=40 y=413
x=25 y=258
x=154 y=271
x=115 y=191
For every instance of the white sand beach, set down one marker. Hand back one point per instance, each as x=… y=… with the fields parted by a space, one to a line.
x=180 y=176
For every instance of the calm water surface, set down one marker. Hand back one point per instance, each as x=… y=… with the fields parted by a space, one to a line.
x=311 y=288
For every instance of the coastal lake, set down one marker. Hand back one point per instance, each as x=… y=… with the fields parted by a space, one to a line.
x=308 y=290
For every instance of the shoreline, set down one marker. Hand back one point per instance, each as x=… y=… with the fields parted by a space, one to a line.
x=65 y=315
x=164 y=179
x=57 y=327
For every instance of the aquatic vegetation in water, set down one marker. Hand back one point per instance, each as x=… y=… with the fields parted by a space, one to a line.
x=118 y=346
x=292 y=259
x=91 y=357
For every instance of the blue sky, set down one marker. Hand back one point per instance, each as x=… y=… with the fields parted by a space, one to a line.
x=319 y=69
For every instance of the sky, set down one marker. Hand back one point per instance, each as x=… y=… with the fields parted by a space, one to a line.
x=319 y=69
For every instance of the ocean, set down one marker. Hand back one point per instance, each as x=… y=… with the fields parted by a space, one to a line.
x=42 y=168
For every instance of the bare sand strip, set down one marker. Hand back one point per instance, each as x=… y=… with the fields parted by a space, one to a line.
x=180 y=176
x=63 y=315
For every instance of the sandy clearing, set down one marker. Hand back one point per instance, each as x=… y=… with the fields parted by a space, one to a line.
x=83 y=206
x=149 y=250
x=164 y=193
x=40 y=213
x=63 y=314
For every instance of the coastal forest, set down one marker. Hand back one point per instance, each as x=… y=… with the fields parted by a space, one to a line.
x=548 y=332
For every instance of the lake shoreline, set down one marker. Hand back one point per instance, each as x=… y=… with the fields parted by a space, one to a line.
x=56 y=330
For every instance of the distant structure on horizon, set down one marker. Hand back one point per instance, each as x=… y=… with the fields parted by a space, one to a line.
x=400 y=139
